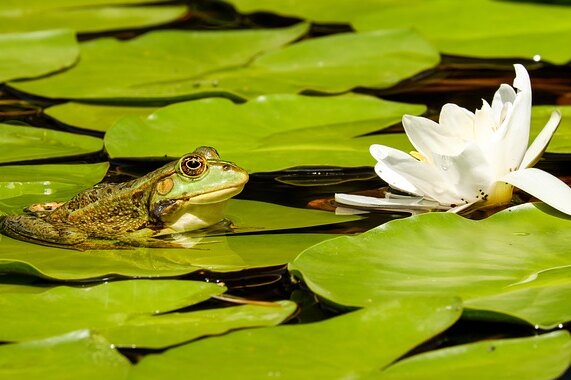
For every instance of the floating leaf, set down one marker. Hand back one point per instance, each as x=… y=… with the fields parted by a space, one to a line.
x=21 y=143
x=158 y=64
x=21 y=186
x=537 y=357
x=77 y=355
x=561 y=140
x=28 y=55
x=174 y=328
x=85 y=16
x=499 y=264
x=338 y=348
x=129 y=313
x=533 y=30
x=241 y=64
x=95 y=117
x=217 y=254
x=267 y=133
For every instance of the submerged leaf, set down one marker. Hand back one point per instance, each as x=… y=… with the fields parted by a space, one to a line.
x=494 y=264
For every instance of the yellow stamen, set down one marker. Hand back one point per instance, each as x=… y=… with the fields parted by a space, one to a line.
x=418 y=156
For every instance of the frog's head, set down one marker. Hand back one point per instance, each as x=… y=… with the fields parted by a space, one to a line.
x=191 y=192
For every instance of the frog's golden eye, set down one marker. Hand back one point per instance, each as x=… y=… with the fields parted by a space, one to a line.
x=193 y=165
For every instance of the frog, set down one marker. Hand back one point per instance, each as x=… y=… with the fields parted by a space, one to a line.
x=188 y=194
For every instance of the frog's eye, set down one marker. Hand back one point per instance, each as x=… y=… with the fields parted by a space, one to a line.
x=192 y=165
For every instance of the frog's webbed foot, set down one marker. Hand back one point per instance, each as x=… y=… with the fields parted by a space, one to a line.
x=36 y=230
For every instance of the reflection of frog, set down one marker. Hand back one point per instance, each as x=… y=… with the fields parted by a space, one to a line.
x=184 y=195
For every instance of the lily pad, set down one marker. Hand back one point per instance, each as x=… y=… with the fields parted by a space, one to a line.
x=537 y=357
x=21 y=186
x=28 y=55
x=561 y=140
x=478 y=28
x=267 y=133
x=84 y=16
x=22 y=143
x=241 y=64
x=499 y=264
x=158 y=65
x=217 y=254
x=129 y=313
x=77 y=355
x=174 y=328
x=339 y=348
x=94 y=117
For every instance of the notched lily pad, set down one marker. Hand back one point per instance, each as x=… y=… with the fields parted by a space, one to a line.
x=240 y=65
x=22 y=143
x=267 y=133
x=499 y=264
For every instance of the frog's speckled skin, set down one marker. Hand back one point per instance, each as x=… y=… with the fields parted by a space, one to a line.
x=183 y=195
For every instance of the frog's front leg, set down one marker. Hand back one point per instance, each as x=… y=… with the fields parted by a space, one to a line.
x=36 y=230
x=146 y=237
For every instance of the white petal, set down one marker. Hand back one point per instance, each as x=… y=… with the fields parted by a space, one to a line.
x=543 y=186
x=537 y=147
x=468 y=174
x=484 y=123
x=403 y=172
x=427 y=136
x=518 y=122
x=405 y=203
x=456 y=121
x=504 y=94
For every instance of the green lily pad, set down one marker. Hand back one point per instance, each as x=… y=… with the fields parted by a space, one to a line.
x=129 y=313
x=85 y=16
x=561 y=140
x=499 y=264
x=241 y=64
x=21 y=143
x=98 y=307
x=158 y=65
x=28 y=55
x=21 y=186
x=77 y=355
x=174 y=328
x=217 y=254
x=537 y=357
x=339 y=348
x=95 y=117
x=533 y=29
x=267 y=133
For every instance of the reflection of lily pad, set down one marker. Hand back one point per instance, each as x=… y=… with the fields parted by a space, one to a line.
x=27 y=55
x=129 y=313
x=561 y=140
x=537 y=357
x=532 y=29
x=77 y=355
x=338 y=348
x=21 y=186
x=84 y=15
x=243 y=64
x=267 y=133
x=21 y=143
x=504 y=264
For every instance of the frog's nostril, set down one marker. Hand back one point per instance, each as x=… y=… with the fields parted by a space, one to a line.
x=226 y=167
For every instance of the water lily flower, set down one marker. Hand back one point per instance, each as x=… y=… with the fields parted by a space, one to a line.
x=470 y=160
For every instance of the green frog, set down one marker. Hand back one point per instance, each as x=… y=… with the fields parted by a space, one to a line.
x=184 y=195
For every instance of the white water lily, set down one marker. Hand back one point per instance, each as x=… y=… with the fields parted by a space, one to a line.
x=470 y=159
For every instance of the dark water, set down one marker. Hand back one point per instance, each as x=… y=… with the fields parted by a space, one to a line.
x=458 y=80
